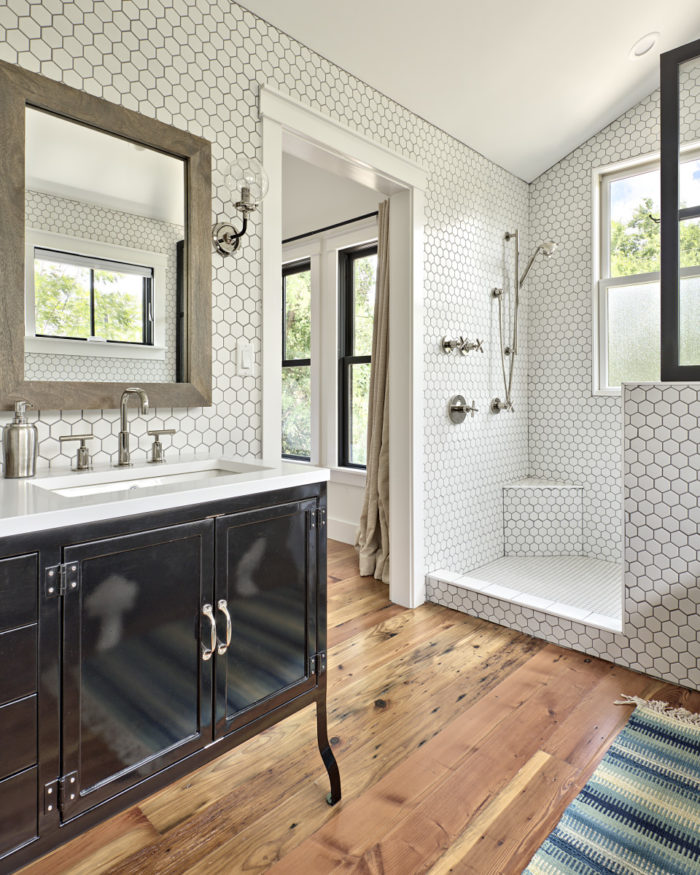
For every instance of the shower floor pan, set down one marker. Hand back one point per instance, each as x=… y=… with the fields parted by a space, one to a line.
x=574 y=587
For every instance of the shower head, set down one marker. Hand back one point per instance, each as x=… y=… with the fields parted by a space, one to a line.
x=546 y=248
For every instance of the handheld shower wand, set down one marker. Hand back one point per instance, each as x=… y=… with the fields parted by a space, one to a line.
x=546 y=248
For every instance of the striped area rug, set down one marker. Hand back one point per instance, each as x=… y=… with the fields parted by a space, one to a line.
x=640 y=811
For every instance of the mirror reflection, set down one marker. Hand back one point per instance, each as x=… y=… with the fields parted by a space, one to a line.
x=105 y=236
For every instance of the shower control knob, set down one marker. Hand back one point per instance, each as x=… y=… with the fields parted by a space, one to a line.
x=459 y=408
x=497 y=405
x=470 y=345
x=448 y=345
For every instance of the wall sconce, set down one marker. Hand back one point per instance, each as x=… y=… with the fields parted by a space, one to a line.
x=247 y=183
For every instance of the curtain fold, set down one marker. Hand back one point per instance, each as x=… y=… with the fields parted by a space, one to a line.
x=372 y=541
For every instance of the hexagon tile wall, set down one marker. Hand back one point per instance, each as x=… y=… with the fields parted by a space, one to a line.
x=168 y=59
x=662 y=527
x=575 y=435
x=542 y=519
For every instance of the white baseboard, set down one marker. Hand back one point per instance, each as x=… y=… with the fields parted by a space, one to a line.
x=342 y=530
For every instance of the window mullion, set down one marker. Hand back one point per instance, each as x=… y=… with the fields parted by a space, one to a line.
x=290 y=270
x=92 y=302
x=605 y=226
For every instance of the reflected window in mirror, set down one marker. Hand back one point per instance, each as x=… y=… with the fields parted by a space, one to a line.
x=92 y=299
x=101 y=295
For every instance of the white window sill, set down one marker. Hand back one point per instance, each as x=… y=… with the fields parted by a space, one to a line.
x=349 y=477
x=62 y=346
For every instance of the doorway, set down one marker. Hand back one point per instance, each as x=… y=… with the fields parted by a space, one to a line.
x=292 y=128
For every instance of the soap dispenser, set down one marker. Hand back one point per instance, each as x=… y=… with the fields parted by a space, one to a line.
x=20 y=440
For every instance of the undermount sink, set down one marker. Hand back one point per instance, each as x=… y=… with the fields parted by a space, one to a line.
x=144 y=477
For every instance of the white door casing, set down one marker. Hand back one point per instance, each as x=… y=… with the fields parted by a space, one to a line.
x=290 y=126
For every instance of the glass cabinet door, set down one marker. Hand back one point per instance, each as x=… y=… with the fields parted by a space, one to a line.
x=265 y=573
x=137 y=694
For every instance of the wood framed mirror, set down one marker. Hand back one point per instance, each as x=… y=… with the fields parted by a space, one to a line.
x=105 y=255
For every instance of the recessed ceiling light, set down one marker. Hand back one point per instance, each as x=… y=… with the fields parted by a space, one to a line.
x=644 y=45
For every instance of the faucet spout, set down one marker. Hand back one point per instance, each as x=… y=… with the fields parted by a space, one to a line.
x=124 y=453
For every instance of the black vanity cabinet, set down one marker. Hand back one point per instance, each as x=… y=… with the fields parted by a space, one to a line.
x=132 y=651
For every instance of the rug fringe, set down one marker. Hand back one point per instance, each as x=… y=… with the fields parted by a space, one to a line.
x=681 y=714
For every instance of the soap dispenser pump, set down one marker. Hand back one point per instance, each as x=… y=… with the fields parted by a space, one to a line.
x=20 y=441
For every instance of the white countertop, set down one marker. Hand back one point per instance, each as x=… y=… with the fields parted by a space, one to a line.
x=29 y=505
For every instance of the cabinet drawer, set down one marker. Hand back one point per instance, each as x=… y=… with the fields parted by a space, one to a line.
x=18 y=734
x=17 y=663
x=18 y=591
x=18 y=810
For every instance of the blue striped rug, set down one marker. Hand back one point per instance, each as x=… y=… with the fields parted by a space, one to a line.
x=640 y=811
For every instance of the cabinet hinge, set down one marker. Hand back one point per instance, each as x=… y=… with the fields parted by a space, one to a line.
x=322 y=518
x=68 y=791
x=61 y=579
x=312 y=519
x=317 y=663
x=50 y=797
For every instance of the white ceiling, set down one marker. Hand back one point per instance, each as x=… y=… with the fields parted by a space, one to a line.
x=74 y=161
x=313 y=198
x=523 y=83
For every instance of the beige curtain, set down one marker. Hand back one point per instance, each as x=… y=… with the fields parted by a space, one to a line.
x=372 y=542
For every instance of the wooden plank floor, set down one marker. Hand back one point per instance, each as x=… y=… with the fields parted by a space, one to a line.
x=459 y=744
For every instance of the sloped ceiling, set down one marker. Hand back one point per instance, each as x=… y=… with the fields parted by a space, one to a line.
x=523 y=83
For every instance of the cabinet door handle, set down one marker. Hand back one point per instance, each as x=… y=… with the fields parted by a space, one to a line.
x=207 y=652
x=223 y=607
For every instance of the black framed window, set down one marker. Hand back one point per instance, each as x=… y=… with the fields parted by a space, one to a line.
x=680 y=217
x=629 y=288
x=296 y=361
x=78 y=297
x=357 y=279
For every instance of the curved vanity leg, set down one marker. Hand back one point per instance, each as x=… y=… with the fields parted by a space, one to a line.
x=324 y=745
x=320 y=663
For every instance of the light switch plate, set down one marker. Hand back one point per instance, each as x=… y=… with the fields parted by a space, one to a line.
x=244 y=358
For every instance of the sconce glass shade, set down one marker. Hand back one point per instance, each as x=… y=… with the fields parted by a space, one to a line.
x=247 y=182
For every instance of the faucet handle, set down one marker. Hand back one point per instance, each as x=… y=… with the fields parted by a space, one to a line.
x=83 y=459
x=448 y=345
x=469 y=345
x=458 y=409
x=157 y=451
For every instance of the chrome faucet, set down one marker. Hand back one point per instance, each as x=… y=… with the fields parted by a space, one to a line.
x=124 y=454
